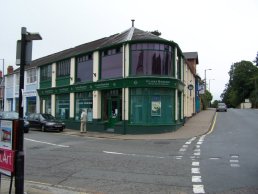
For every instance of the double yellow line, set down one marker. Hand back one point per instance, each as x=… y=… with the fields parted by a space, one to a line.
x=213 y=124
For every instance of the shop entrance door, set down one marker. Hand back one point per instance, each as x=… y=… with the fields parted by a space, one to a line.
x=112 y=107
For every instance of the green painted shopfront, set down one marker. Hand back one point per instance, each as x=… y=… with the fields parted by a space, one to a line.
x=129 y=83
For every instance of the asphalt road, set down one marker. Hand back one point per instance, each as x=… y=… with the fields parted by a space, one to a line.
x=229 y=155
x=225 y=161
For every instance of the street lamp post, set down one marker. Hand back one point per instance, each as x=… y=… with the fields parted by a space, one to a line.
x=210 y=84
x=26 y=37
x=205 y=88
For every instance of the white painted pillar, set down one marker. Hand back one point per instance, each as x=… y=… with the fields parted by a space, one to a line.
x=95 y=66
x=72 y=72
x=176 y=104
x=72 y=99
x=96 y=104
x=43 y=106
x=53 y=78
x=53 y=104
x=125 y=104
x=176 y=58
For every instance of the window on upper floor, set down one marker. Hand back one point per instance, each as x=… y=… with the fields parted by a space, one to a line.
x=111 y=63
x=151 y=59
x=45 y=72
x=179 y=70
x=84 y=70
x=31 y=76
x=63 y=68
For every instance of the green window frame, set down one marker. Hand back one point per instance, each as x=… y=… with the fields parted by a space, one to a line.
x=83 y=100
x=152 y=106
x=45 y=72
x=63 y=106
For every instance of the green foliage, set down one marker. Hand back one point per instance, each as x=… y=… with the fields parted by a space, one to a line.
x=206 y=99
x=214 y=104
x=256 y=59
x=156 y=32
x=241 y=84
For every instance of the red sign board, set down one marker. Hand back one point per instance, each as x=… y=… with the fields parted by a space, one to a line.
x=6 y=159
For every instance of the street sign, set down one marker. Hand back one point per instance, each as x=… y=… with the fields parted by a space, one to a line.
x=28 y=56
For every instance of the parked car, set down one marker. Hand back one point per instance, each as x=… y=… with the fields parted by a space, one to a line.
x=45 y=122
x=14 y=115
x=221 y=107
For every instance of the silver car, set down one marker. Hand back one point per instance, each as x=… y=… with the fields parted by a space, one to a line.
x=222 y=107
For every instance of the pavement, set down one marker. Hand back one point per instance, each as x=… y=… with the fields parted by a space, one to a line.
x=199 y=124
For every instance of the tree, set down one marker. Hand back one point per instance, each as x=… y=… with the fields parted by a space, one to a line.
x=256 y=59
x=156 y=32
x=206 y=99
x=241 y=84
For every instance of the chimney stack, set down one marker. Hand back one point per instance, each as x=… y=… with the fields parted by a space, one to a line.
x=132 y=22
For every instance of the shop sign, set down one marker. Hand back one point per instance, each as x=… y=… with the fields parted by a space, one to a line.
x=6 y=160
x=118 y=83
x=6 y=152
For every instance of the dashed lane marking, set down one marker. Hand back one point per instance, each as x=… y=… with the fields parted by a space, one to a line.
x=198 y=189
x=43 y=142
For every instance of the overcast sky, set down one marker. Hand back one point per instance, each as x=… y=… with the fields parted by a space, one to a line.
x=221 y=31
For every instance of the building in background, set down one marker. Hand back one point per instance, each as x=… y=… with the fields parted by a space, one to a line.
x=12 y=81
x=191 y=80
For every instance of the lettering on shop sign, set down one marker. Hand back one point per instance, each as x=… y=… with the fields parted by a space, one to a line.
x=102 y=85
x=158 y=82
x=6 y=159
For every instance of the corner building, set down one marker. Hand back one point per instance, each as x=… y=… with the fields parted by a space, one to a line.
x=129 y=83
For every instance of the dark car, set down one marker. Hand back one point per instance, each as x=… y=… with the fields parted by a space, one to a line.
x=45 y=122
x=14 y=115
x=221 y=107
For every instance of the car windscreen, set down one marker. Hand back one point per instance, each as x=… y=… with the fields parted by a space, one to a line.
x=48 y=117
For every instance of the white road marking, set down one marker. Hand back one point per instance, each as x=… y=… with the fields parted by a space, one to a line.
x=197 y=153
x=182 y=150
x=198 y=189
x=195 y=170
x=214 y=158
x=185 y=146
x=195 y=163
x=233 y=161
x=138 y=155
x=199 y=142
x=179 y=157
x=235 y=165
x=196 y=179
x=43 y=142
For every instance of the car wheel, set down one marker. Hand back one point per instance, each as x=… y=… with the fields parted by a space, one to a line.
x=43 y=128
x=61 y=130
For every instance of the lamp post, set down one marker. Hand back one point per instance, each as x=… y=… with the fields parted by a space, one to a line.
x=205 y=88
x=2 y=105
x=210 y=84
x=25 y=48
